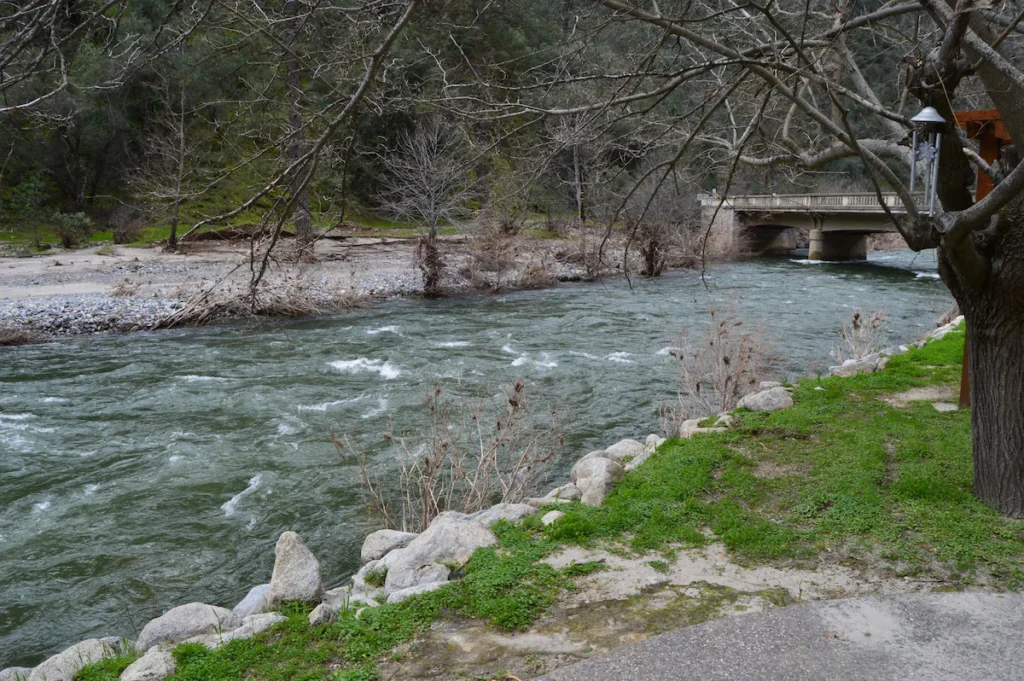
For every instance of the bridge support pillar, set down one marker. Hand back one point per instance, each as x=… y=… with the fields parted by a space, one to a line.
x=837 y=246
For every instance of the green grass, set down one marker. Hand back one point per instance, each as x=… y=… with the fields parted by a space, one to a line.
x=105 y=670
x=841 y=475
x=850 y=476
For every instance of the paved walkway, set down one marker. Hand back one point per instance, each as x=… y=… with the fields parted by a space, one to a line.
x=926 y=637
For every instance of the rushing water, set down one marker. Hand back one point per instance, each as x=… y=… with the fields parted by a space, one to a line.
x=141 y=472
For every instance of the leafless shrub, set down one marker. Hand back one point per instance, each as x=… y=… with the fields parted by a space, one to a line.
x=10 y=337
x=124 y=289
x=492 y=250
x=537 y=274
x=716 y=368
x=583 y=249
x=862 y=336
x=126 y=223
x=472 y=455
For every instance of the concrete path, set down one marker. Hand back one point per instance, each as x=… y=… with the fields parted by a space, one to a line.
x=926 y=637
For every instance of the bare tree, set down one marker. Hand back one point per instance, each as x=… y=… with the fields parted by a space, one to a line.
x=170 y=174
x=428 y=182
x=784 y=86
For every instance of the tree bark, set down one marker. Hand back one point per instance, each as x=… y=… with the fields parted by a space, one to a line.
x=996 y=360
x=995 y=345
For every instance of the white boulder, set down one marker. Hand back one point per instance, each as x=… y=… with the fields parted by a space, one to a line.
x=155 y=665
x=510 y=512
x=537 y=502
x=402 y=594
x=380 y=543
x=691 y=427
x=64 y=665
x=322 y=614
x=596 y=478
x=552 y=517
x=653 y=441
x=868 y=365
x=252 y=625
x=254 y=602
x=772 y=399
x=451 y=541
x=596 y=454
x=15 y=674
x=406 y=578
x=624 y=449
x=296 y=574
x=186 y=621
x=568 y=492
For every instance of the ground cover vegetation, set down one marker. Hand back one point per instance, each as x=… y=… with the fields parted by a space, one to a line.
x=843 y=477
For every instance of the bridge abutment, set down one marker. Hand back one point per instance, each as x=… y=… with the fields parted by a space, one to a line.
x=837 y=246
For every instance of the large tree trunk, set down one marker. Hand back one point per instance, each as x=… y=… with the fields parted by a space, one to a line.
x=996 y=357
x=995 y=342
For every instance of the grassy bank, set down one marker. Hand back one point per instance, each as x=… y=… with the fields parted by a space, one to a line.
x=842 y=477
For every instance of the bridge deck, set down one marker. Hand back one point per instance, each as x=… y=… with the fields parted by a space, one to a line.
x=810 y=203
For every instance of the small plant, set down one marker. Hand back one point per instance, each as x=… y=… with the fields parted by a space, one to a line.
x=717 y=369
x=376 y=577
x=863 y=336
x=659 y=566
x=72 y=228
x=583 y=569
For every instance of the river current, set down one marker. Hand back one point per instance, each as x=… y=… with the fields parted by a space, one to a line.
x=144 y=471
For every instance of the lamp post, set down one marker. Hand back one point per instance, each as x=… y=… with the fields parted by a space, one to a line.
x=927 y=138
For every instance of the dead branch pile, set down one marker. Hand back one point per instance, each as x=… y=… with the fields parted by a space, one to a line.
x=288 y=298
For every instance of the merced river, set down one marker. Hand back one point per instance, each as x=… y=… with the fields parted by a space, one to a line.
x=145 y=471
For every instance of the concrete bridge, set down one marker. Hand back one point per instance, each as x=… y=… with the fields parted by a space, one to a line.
x=838 y=223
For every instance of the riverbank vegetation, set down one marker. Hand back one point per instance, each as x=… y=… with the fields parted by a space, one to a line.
x=862 y=472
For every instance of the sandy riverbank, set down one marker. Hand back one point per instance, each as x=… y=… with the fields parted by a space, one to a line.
x=116 y=288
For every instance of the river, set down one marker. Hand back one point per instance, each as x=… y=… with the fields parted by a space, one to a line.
x=144 y=471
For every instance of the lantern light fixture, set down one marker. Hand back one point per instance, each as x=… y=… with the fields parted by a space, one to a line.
x=927 y=138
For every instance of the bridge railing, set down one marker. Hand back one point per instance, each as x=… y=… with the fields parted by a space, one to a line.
x=811 y=202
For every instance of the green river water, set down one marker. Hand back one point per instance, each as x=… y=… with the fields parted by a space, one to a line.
x=145 y=471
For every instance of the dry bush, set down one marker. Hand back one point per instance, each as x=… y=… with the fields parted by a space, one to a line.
x=537 y=274
x=584 y=250
x=864 y=335
x=492 y=251
x=716 y=369
x=10 y=337
x=472 y=456
x=126 y=223
x=124 y=289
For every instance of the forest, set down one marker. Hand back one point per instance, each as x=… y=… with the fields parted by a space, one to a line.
x=156 y=117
